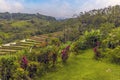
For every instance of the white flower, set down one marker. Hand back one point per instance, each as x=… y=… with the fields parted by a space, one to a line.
x=108 y=70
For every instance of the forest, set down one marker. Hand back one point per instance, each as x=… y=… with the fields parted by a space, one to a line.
x=86 y=47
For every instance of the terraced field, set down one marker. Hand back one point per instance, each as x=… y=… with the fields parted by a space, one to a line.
x=14 y=47
x=43 y=37
x=11 y=49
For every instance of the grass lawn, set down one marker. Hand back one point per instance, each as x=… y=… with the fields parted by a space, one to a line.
x=83 y=67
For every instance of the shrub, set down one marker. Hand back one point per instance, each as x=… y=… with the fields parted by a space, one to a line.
x=113 y=39
x=55 y=41
x=20 y=74
x=111 y=46
x=8 y=66
x=78 y=45
x=63 y=46
x=33 y=56
x=88 y=40
x=33 y=68
x=115 y=55
x=92 y=37
x=111 y=54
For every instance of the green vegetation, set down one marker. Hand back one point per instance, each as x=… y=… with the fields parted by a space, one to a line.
x=88 y=40
x=83 y=67
x=83 y=48
x=23 y=26
x=20 y=24
x=24 y=16
x=110 y=46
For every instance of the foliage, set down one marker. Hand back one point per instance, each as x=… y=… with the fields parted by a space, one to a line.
x=88 y=40
x=63 y=46
x=84 y=67
x=8 y=66
x=55 y=41
x=20 y=24
x=24 y=16
x=92 y=37
x=110 y=45
x=90 y=27
x=79 y=45
x=112 y=39
x=21 y=29
x=115 y=55
x=106 y=28
x=33 y=68
x=20 y=74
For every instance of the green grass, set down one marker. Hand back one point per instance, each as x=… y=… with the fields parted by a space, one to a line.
x=20 y=24
x=84 y=67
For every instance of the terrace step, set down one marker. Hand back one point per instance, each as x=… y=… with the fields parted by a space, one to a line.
x=3 y=53
x=7 y=50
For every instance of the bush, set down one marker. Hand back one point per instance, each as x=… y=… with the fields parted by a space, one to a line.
x=104 y=52
x=63 y=46
x=55 y=41
x=77 y=46
x=113 y=39
x=20 y=74
x=8 y=66
x=33 y=56
x=92 y=37
x=110 y=47
x=33 y=68
x=112 y=55
x=88 y=40
x=115 y=55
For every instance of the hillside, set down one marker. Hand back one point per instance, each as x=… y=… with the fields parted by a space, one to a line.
x=24 y=16
x=14 y=47
x=22 y=25
x=16 y=26
x=93 y=19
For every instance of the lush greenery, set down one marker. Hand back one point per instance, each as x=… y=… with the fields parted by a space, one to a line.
x=24 y=16
x=88 y=40
x=97 y=29
x=83 y=67
x=22 y=26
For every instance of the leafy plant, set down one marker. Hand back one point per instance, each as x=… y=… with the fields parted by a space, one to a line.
x=92 y=37
x=115 y=55
x=8 y=67
x=20 y=74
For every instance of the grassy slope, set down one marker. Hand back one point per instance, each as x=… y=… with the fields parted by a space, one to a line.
x=83 y=67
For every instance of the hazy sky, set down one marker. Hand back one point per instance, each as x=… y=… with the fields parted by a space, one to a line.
x=56 y=8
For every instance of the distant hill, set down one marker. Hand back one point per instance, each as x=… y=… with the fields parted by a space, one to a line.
x=17 y=26
x=24 y=16
x=22 y=25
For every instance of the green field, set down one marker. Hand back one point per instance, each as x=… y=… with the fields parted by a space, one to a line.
x=84 y=67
